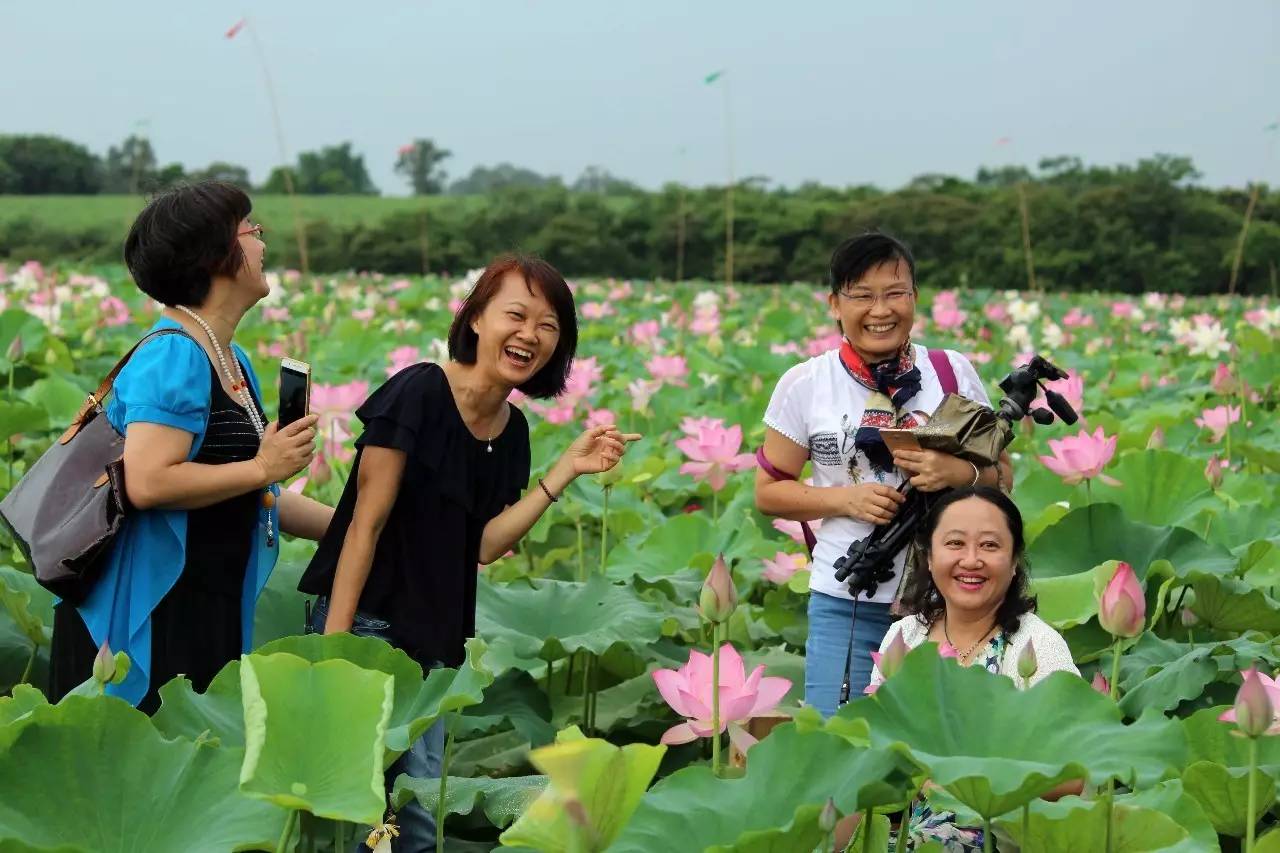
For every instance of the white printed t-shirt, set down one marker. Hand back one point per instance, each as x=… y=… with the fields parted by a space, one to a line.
x=819 y=406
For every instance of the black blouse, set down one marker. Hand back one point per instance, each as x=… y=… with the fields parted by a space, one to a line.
x=423 y=577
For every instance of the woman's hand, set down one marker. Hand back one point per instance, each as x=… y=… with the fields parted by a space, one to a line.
x=597 y=450
x=932 y=471
x=285 y=452
x=870 y=502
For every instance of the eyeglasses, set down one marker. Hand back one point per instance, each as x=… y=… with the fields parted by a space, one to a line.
x=867 y=299
x=256 y=230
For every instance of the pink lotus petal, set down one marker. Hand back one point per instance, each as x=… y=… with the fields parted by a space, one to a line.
x=670 y=683
x=678 y=734
x=741 y=738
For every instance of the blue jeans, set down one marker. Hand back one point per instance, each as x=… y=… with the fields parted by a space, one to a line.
x=828 y=642
x=422 y=761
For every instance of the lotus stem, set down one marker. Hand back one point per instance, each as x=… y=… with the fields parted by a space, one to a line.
x=715 y=700
x=287 y=833
x=582 y=557
x=339 y=836
x=31 y=662
x=1252 y=819
x=868 y=818
x=715 y=506
x=441 y=811
x=1026 y=826
x=1115 y=673
x=604 y=528
x=988 y=844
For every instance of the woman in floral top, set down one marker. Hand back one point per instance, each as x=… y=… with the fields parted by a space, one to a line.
x=973 y=602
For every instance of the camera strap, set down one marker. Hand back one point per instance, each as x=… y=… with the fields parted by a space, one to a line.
x=946 y=373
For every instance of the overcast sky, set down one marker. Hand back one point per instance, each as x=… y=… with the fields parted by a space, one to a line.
x=842 y=92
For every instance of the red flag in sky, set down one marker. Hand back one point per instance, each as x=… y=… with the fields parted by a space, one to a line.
x=1004 y=140
x=239 y=25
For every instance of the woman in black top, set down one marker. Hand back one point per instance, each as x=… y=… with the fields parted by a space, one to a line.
x=435 y=487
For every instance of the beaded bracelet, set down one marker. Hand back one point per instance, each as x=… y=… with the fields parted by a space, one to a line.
x=547 y=491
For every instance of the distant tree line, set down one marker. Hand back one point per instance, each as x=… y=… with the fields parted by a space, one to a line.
x=1125 y=229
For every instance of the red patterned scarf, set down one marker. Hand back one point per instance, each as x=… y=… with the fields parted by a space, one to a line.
x=892 y=383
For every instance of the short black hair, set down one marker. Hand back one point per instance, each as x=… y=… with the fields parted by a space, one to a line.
x=554 y=375
x=183 y=238
x=854 y=257
x=920 y=596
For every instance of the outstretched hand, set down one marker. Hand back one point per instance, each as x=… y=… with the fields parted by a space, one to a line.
x=598 y=449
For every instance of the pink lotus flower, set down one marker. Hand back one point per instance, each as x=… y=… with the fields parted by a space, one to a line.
x=692 y=426
x=780 y=569
x=946 y=650
x=946 y=311
x=1082 y=457
x=1100 y=684
x=996 y=312
x=402 y=357
x=688 y=690
x=793 y=529
x=1257 y=706
x=399 y=285
x=336 y=405
x=645 y=331
x=599 y=417
x=642 y=391
x=620 y=292
x=1123 y=310
x=1217 y=420
x=669 y=368
x=1224 y=382
x=364 y=315
x=719 y=596
x=713 y=455
x=1214 y=470
x=273 y=314
x=1075 y=318
x=789 y=348
x=114 y=312
x=596 y=310
x=1123 y=609
x=706 y=321
x=823 y=343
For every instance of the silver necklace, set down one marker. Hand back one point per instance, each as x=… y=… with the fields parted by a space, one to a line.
x=241 y=389
x=964 y=656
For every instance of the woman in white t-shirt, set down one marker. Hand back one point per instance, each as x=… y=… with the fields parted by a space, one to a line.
x=828 y=410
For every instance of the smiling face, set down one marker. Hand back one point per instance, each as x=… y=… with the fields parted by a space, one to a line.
x=517 y=331
x=876 y=312
x=971 y=556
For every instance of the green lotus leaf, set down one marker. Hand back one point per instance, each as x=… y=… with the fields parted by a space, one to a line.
x=1268 y=842
x=1171 y=798
x=29 y=604
x=514 y=699
x=16 y=324
x=1074 y=824
x=17 y=418
x=328 y=764
x=1094 y=534
x=1161 y=674
x=551 y=619
x=503 y=754
x=417 y=703
x=1067 y=600
x=881 y=832
x=1218 y=769
x=25 y=698
x=1160 y=488
x=601 y=783
x=683 y=541
x=1230 y=604
x=1224 y=796
x=70 y=781
x=995 y=747
x=789 y=777
x=502 y=800
x=624 y=704
x=59 y=398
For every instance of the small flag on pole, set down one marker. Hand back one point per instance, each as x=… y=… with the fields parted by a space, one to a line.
x=1004 y=140
x=714 y=76
x=236 y=28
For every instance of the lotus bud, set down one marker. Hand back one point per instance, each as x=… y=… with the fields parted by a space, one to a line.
x=1123 y=611
x=1224 y=382
x=891 y=660
x=719 y=597
x=1254 y=712
x=946 y=650
x=14 y=353
x=1101 y=684
x=1213 y=471
x=828 y=817
x=1027 y=663
x=1189 y=618
x=1156 y=440
x=104 y=665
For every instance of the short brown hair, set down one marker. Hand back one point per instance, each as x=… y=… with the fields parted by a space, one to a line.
x=551 y=379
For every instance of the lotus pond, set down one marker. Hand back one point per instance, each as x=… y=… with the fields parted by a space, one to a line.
x=556 y=719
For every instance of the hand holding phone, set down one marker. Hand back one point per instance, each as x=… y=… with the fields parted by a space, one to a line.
x=295 y=390
x=900 y=439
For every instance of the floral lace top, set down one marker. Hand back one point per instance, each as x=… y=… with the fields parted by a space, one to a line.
x=927 y=825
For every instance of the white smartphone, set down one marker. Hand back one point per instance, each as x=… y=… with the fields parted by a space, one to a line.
x=295 y=390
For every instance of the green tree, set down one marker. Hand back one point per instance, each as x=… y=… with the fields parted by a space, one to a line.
x=41 y=165
x=487 y=179
x=130 y=167
x=333 y=170
x=419 y=164
x=599 y=180
x=221 y=171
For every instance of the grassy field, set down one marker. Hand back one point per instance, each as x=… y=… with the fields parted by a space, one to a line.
x=81 y=212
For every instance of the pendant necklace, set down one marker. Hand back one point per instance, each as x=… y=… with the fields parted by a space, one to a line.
x=240 y=388
x=963 y=656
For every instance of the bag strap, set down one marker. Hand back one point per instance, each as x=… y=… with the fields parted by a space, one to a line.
x=946 y=373
x=810 y=540
x=96 y=399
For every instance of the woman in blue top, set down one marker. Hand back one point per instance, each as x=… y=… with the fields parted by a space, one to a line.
x=179 y=585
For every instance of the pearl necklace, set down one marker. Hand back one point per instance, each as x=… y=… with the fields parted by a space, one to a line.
x=240 y=388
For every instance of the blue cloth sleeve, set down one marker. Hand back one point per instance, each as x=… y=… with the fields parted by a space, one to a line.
x=165 y=382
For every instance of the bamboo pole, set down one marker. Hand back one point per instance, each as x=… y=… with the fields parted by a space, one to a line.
x=728 y=196
x=1026 y=237
x=1244 y=232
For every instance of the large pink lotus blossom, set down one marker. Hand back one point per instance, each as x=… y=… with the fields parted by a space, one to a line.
x=1122 y=612
x=713 y=455
x=596 y=310
x=688 y=690
x=114 y=311
x=780 y=569
x=692 y=426
x=402 y=357
x=672 y=369
x=1217 y=420
x=946 y=311
x=1257 y=706
x=1082 y=457
x=645 y=331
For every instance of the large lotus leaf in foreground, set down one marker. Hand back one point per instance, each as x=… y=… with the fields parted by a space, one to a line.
x=599 y=784
x=775 y=806
x=93 y=775
x=995 y=747
x=1217 y=770
x=549 y=619
x=417 y=703
x=315 y=734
